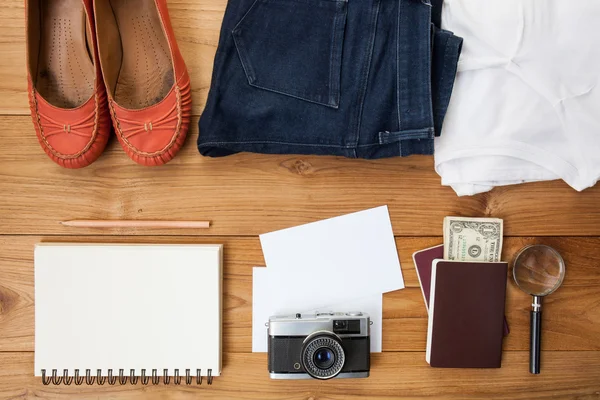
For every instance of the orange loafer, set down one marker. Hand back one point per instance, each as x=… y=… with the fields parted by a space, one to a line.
x=148 y=84
x=66 y=91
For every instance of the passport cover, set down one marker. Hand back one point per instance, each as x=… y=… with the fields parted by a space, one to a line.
x=466 y=314
x=423 y=261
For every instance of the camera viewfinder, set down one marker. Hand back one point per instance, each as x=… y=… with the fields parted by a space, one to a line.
x=346 y=326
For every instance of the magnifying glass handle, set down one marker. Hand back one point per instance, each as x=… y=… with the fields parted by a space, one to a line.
x=535 y=339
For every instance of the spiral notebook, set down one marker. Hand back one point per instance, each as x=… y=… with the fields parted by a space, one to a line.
x=127 y=313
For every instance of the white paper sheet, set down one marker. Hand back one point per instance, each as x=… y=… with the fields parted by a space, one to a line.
x=127 y=307
x=267 y=302
x=352 y=256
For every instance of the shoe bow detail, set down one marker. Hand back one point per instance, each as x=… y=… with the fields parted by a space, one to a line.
x=72 y=138
x=152 y=136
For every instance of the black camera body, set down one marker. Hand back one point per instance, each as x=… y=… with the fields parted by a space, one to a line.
x=321 y=346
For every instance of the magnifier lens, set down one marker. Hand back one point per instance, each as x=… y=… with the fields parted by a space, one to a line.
x=539 y=270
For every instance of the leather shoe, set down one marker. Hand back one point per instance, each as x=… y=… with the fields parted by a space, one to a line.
x=148 y=85
x=67 y=97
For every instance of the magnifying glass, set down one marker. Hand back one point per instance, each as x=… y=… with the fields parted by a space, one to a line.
x=538 y=270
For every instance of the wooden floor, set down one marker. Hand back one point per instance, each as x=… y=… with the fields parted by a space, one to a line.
x=246 y=195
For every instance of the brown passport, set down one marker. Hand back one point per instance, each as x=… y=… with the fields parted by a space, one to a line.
x=466 y=314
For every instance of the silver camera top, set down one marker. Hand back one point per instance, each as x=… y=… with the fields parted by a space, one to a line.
x=348 y=324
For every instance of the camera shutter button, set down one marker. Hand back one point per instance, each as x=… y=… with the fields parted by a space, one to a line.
x=354 y=313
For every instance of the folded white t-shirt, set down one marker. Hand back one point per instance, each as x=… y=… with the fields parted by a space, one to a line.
x=526 y=102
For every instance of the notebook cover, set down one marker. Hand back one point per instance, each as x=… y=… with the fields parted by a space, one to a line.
x=466 y=314
x=128 y=307
x=423 y=260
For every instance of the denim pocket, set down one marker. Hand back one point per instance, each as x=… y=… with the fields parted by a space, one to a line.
x=294 y=47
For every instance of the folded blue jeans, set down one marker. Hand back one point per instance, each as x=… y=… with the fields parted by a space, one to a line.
x=354 y=78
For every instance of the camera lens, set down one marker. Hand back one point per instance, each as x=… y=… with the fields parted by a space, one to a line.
x=323 y=356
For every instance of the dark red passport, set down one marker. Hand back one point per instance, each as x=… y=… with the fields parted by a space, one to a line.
x=423 y=260
x=466 y=312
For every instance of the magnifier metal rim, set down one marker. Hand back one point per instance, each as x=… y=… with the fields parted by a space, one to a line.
x=562 y=270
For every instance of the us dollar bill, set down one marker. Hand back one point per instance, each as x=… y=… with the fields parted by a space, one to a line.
x=473 y=239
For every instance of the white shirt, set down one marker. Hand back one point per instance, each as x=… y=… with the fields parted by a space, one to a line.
x=526 y=102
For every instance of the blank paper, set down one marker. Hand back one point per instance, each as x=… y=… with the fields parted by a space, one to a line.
x=127 y=307
x=353 y=255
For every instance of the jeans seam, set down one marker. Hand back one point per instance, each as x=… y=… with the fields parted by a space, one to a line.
x=331 y=59
x=448 y=59
x=245 y=15
x=239 y=45
x=321 y=103
x=447 y=55
x=366 y=71
x=429 y=81
x=398 y=94
x=346 y=147
x=443 y=80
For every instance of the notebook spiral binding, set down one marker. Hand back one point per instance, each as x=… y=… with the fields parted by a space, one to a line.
x=55 y=379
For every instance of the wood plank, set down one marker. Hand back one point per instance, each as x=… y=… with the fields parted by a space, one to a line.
x=393 y=376
x=196 y=23
x=251 y=194
x=13 y=85
x=571 y=315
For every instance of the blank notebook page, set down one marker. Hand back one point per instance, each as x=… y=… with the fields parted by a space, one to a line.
x=127 y=307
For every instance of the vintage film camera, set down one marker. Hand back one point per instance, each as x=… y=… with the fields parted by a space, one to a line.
x=321 y=346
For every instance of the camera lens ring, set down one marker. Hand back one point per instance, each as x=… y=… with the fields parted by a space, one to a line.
x=317 y=343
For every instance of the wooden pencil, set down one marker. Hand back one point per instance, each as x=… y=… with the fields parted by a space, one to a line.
x=137 y=224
